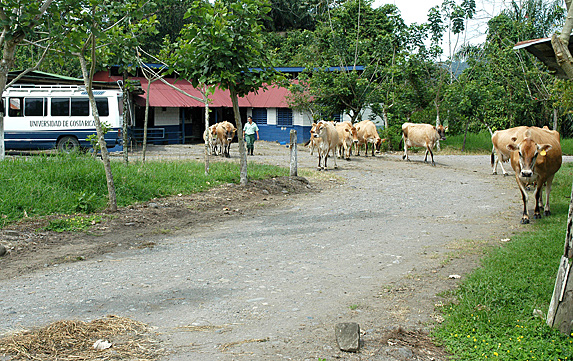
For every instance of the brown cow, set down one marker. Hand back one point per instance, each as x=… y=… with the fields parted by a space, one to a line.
x=328 y=142
x=367 y=134
x=225 y=134
x=347 y=135
x=499 y=152
x=313 y=142
x=422 y=135
x=210 y=137
x=535 y=158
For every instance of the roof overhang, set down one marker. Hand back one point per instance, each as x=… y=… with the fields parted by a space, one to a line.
x=543 y=50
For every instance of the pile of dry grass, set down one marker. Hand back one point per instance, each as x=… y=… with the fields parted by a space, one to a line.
x=74 y=340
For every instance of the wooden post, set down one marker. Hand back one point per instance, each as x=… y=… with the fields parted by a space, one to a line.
x=560 y=313
x=293 y=154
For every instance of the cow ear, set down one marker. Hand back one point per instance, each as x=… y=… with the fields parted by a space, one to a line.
x=314 y=124
x=347 y=130
x=447 y=128
x=544 y=147
x=512 y=147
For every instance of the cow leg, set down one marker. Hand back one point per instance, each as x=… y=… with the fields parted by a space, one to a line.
x=405 y=156
x=525 y=217
x=373 y=147
x=366 y=149
x=432 y=155
x=537 y=195
x=547 y=211
x=335 y=165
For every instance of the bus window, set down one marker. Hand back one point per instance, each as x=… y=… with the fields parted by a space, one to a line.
x=16 y=107
x=80 y=107
x=60 y=107
x=34 y=107
x=102 y=107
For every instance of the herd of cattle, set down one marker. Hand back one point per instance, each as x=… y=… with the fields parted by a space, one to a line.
x=219 y=137
x=534 y=153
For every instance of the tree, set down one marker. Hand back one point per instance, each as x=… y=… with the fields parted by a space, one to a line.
x=560 y=313
x=222 y=46
x=22 y=20
x=103 y=23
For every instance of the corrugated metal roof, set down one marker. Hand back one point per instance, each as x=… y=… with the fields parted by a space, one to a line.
x=543 y=50
x=162 y=95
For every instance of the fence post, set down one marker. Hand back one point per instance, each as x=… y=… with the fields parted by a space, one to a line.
x=293 y=154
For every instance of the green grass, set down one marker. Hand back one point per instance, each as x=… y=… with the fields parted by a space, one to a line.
x=69 y=184
x=492 y=317
x=567 y=146
x=480 y=143
x=475 y=143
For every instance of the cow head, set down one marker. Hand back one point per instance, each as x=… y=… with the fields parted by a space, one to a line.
x=441 y=131
x=378 y=144
x=354 y=134
x=319 y=129
x=313 y=130
x=230 y=132
x=528 y=152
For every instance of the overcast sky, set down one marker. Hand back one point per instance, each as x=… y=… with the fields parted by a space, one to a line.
x=416 y=11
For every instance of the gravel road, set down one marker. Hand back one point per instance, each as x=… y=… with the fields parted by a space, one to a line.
x=373 y=244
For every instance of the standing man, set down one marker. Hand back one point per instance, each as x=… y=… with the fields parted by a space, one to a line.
x=249 y=131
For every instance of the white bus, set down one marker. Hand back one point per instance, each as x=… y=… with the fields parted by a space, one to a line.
x=58 y=116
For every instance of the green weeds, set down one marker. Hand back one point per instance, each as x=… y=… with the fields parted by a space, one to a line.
x=495 y=310
x=72 y=183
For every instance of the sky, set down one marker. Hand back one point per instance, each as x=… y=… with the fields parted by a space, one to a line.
x=416 y=11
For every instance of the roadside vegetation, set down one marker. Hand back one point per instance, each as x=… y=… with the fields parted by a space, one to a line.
x=499 y=310
x=73 y=183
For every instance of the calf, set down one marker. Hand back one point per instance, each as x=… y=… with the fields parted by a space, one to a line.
x=347 y=136
x=500 y=139
x=422 y=135
x=328 y=142
x=535 y=158
x=367 y=134
x=210 y=138
x=225 y=134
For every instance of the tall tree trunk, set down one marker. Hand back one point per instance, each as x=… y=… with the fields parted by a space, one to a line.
x=146 y=121
x=126 y=112
x=207 y=147
x=242 y=152
x=437 y=124
x=465 y=135
x=6 y=64
x=560 y=313
x=560 y=43
x=112 y=206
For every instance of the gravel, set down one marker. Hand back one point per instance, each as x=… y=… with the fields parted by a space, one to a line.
x=271 y=284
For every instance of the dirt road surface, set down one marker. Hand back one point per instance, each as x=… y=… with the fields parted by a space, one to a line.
x=268 y=275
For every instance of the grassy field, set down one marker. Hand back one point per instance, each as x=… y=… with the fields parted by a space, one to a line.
x=493 y=315
x=75 y=183
x=480 y=143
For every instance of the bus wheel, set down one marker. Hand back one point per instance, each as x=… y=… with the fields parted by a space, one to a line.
x=68 y=144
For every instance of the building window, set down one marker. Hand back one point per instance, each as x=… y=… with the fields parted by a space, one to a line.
x=260 y=115
x=284 y=117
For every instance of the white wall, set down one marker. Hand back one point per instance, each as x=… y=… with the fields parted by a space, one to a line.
x=272 y=116
x=169 y=116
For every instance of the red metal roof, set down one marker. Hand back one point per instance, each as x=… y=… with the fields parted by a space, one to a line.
x=162 y=95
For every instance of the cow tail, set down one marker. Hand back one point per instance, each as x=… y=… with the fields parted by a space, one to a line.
x=401 y=142
x=492 y=155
